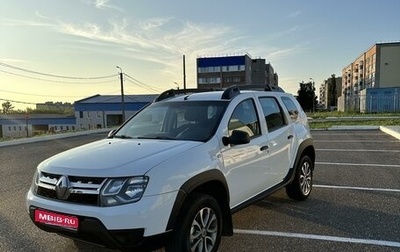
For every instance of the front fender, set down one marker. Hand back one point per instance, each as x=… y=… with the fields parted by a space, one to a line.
x=210 y=182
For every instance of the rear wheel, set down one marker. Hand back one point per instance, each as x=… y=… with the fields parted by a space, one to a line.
x=198 y=227
x=301 y=186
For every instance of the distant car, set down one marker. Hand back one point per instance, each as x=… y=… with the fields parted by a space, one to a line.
x=174 y=173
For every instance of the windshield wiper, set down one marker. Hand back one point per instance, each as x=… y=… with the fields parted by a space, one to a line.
x=122 y=136
x=156 y=137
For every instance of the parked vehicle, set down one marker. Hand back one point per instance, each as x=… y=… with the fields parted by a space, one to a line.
x=173 y=174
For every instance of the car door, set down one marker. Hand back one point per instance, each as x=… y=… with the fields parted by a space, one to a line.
x=245 y=164
x=280 y=139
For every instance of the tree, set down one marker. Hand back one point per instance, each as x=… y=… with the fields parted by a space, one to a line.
x=306 y=96
x=7 y=107
x=332 y=92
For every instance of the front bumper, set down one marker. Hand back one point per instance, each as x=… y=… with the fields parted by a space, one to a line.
x=138 y=225
x=93 y=231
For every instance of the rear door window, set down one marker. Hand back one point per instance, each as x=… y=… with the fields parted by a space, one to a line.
x=291 y=107
x=273 y=113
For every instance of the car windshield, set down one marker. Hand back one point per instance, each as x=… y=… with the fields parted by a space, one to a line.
x=184 y=120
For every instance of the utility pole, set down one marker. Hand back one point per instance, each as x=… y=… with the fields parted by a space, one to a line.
x=26 y=122
x=121 y=77
x=184 y=73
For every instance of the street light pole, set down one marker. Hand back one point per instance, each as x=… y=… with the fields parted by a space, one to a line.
x=121 y=77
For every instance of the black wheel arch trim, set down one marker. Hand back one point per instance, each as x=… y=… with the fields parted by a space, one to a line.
x=205 y=182
x=307 y=146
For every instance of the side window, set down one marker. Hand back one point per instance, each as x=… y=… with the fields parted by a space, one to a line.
x=273 y=113
x=245 y=118
x=291 y=107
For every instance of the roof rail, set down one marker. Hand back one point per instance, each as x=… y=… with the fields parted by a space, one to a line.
x=262 y=87
x=230 y=92
x=174 y=92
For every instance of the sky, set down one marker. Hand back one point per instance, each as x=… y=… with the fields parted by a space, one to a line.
x=64 y=51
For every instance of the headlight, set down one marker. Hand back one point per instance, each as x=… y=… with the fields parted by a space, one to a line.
x=120 y=191
x=35 y=182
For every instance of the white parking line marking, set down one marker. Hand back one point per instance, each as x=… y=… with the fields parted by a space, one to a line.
x=320 y=237
x=358 y=188
x=346 y=135
x=352 y=164
x=354 y=150
x=354 y=141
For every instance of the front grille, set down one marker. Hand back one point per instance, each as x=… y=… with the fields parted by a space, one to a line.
x=82 y=190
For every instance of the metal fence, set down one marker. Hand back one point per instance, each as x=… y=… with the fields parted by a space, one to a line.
x=373 y=103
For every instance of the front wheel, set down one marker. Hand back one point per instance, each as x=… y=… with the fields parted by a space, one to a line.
x=301 y=186
x=198 y=227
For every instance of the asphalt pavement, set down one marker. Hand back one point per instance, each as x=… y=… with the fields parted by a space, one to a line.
x=354 y=205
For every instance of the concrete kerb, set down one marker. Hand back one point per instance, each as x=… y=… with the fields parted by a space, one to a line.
x=354 y=127
x=391 y=130
x=52 y=137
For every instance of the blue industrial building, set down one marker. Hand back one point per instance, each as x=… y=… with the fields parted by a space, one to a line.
x=98 y=111
x=105 y=111
x=16 y=126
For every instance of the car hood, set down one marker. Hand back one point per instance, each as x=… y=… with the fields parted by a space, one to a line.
x=115 y=157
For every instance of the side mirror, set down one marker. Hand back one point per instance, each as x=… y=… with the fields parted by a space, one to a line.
x=237 y=137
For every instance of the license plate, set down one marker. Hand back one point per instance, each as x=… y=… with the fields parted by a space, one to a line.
x=56 y=219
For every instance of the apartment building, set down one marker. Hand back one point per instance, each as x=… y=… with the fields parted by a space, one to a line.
x=322 y=96
x=332 y=90
x=377 y=67
x=225 y=71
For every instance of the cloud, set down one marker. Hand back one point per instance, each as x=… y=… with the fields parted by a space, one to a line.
x=161 y=40
x=180 y=38
x=104 y=4
x=279 y=53
x=153 y=23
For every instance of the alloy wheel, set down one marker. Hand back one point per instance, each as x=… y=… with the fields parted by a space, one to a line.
x=305 y=178
x=203 y=232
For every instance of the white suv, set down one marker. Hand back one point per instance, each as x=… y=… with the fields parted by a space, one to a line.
x=173 y=174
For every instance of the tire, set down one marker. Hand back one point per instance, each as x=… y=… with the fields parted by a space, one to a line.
x=301 y=186
x=198 y=227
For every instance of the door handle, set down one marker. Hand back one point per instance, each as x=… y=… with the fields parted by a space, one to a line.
x=263 y=148
x=290 y=137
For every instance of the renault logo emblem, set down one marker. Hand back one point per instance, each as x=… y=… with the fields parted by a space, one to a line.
x=62 y=188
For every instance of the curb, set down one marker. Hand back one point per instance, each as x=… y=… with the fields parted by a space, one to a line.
x=355 y=127
x=394 y=131
x=391 y=130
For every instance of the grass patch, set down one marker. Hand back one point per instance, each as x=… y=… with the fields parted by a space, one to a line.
x=321 y=115
x=324 y=124
x=323 y=120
